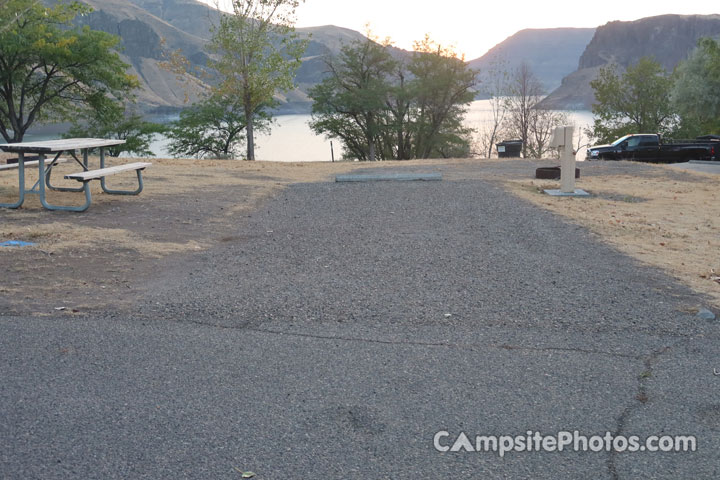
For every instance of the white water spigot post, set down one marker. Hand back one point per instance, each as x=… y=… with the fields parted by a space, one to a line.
x=563 y=140
x=567 y=161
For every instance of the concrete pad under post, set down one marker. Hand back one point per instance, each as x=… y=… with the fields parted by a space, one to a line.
x=559 y=193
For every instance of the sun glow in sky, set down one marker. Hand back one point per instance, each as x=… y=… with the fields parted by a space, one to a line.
x=473 y=27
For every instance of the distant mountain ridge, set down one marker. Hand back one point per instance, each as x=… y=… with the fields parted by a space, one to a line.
x=667 y=38
x=550 y=53
x=566 y=58
x=151 y=29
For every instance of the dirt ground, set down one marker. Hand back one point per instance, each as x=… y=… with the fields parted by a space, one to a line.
x=661 y=218
x=91 y=260
x=100 y=258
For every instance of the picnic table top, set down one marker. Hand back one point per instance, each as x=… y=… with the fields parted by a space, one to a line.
x=50 y=146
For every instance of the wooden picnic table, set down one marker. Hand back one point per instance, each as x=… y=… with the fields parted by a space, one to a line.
x=68 y=146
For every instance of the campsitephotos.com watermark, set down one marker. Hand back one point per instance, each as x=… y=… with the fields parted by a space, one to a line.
x=574 y=441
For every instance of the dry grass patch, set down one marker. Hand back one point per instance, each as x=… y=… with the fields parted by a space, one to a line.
x=660 y=219
x=55 y=237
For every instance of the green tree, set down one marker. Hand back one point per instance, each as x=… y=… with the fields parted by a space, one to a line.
x=381 y=108
x=396 y=138
x=441 y=91
x=111 y=120
x=11 y=10
x=696 y=92
x=638 y=101
x=214 y=127
x=259 y=53
x=51 y=70
x=351 y=103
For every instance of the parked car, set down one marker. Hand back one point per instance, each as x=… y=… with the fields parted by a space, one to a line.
x=650 y=147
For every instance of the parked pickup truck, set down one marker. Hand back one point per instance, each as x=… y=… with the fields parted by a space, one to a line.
x=652 y=148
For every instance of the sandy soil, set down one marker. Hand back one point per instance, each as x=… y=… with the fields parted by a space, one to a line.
x=102 y=257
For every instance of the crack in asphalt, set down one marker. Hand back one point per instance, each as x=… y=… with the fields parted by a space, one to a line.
x=459 y=346
x=641 y=398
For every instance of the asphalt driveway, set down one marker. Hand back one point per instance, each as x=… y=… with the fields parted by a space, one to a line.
x=343 y=325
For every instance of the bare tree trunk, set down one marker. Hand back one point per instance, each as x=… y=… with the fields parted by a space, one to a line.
x=250 y=137
x=249 y=128
x=249 y=113
x=525 y=92
x=17 y=135
x=491 y=143
x=371 y=138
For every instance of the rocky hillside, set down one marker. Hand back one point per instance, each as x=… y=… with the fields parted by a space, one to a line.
x=145 y=41
x=550 y=53
x=667 y=38
x=150 y=29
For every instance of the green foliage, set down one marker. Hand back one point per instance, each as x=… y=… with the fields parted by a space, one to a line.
x=696 y=92
x=382 y=109
x=213 y=128
x=51 y=70
x=440 y=89
x=350 y=103
x=12 y=10
x=636 y=102
x=259 y=53
x=112 y=121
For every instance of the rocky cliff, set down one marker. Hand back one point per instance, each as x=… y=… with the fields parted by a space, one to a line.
x=145 y=42
x=150 y=29
x=667 y=38
x=551 y=53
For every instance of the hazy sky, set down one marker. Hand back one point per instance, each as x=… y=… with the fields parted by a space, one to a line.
x=473 y=27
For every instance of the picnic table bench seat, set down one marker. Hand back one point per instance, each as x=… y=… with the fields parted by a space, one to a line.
x=27 y=159
x=88 y=175
x=14 y=166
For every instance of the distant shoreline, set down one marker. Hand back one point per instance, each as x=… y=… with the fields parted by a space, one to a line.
x=170 y=113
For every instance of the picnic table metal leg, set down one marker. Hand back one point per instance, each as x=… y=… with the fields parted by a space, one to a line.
x=119 y=192
x=84 y=164
x=85 y=188
x=21 y=183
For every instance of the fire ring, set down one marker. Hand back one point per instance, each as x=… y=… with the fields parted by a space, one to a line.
x=552 y=173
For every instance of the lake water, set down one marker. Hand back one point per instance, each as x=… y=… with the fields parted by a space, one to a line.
x=292 y=140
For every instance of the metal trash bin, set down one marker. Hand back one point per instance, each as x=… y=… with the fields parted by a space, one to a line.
x=509 y=148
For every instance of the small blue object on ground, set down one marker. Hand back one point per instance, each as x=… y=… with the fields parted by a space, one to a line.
x=705 y=314
x=16 y=243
